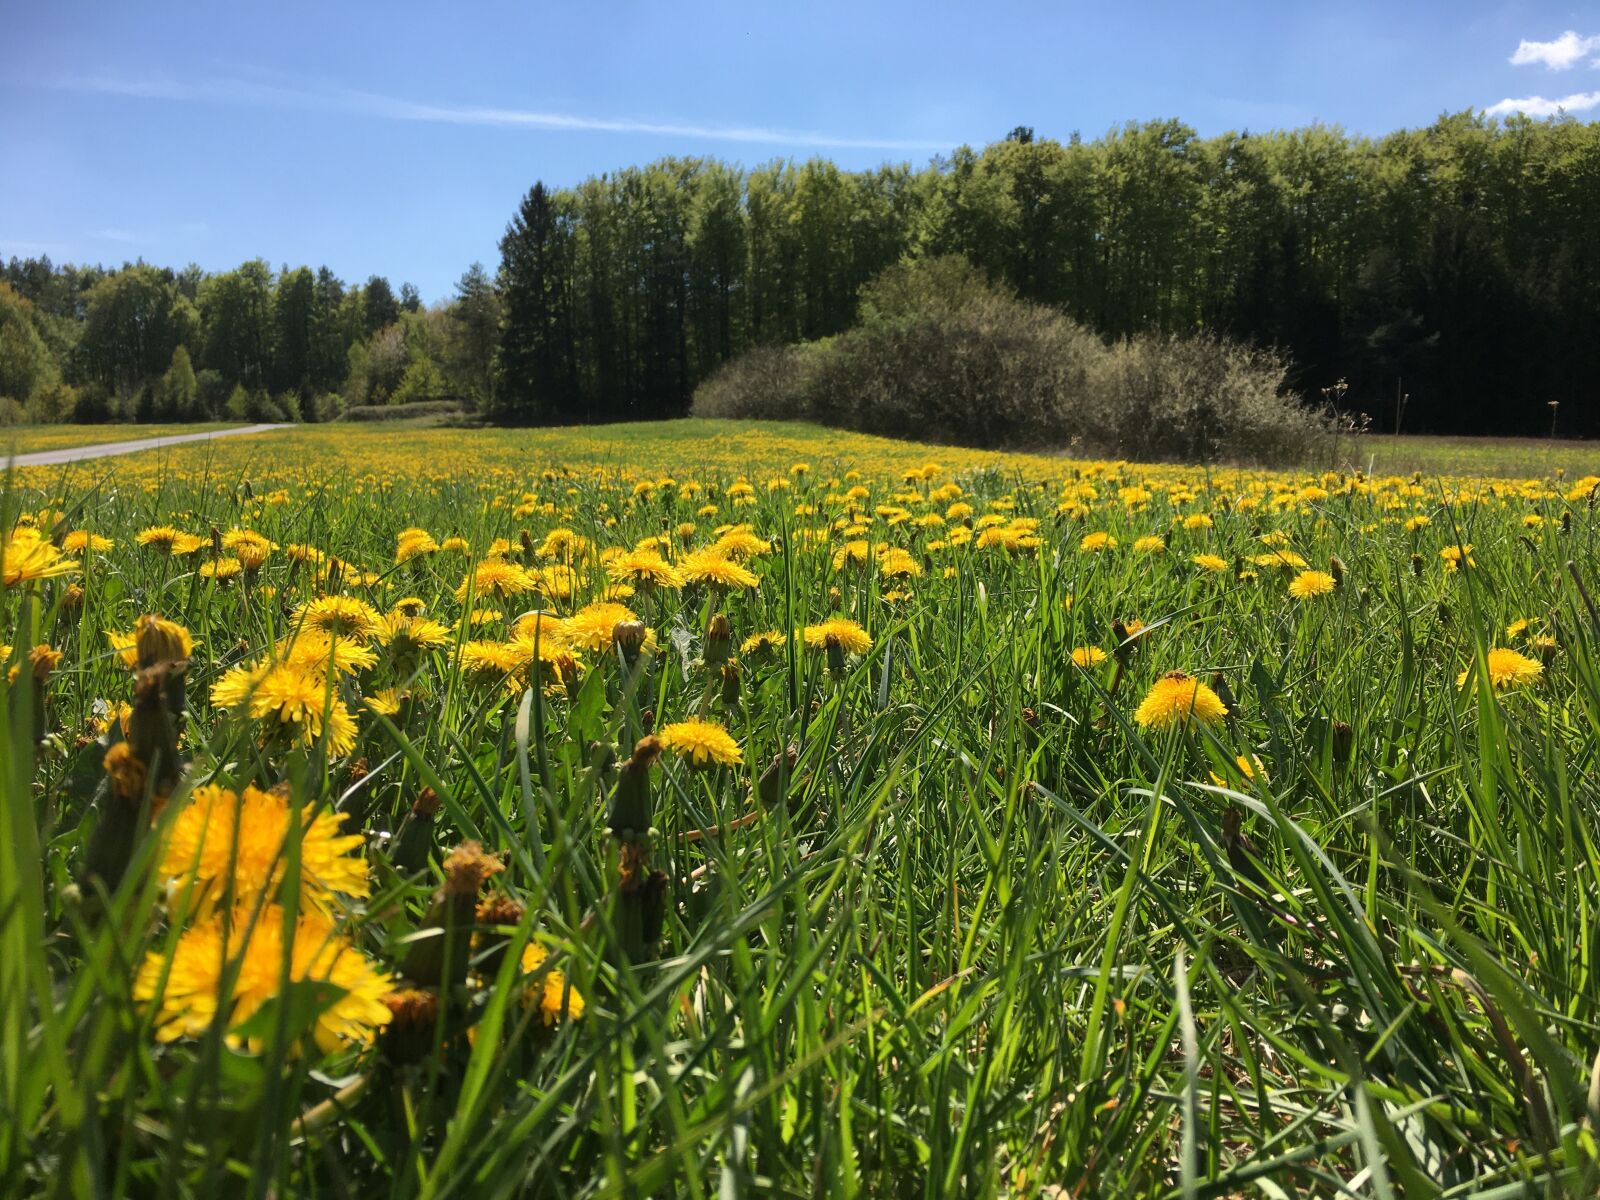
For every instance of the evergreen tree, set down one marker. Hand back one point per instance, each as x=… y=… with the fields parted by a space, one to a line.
x=534 y=361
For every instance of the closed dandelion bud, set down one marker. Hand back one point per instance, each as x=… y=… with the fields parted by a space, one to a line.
x=496 y=913
x=1363 y=597
x=117 y=833
x=647 y=721
x=216 y=542
x=1336 y=569
x=653 y=908
x=1416 y=564
x=527 y=545
x=775 y=781
x=1124 y=648
x=72 y=599
x=1344 y=741
x=719 y=640
x=1566 y=522
x=442 y=948
x=413 y=842
x=630 y=637
x=835 y=653
x=160 y=641
x=1444 y=613
x=152 y=729
x=631 y=811
x=42 y=660
x=731 y=685
x=410 y=1033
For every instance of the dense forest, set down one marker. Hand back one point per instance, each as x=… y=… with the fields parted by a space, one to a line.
x=1449 y=275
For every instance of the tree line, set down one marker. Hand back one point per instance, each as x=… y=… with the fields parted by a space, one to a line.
x=1448 y=277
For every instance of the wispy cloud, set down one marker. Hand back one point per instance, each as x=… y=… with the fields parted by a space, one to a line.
x=1538 y=106
x=126 y=237
x=1559 y=55
x=394 y=108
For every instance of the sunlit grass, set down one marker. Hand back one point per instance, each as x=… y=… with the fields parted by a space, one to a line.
x=957 y=913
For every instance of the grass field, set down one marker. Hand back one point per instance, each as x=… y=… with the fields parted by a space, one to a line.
x=698 y=809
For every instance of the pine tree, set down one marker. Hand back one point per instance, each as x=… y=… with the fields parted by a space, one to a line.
x=535 y=358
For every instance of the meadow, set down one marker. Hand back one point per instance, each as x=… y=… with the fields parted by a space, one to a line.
x=705 y=809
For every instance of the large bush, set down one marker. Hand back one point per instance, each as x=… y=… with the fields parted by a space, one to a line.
x=943 y=354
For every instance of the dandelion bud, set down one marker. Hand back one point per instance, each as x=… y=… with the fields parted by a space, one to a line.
x=526 y=539
x=496 y=912
x=1416 y=565
x=835 y=652
x=160 y=641
x=1336 y=569
x=443 y=942
x=216 y=542
x=775 y=780
x=409 y=1035
x=43 y=660
x=719 y=640
x=152 y=728
x=1344 y=741
x=630 y=637
x=631 y=809
x=732 y=688
x=413 y=842
x=118 y=831
x=1444 y=613
x=1566 y=521
x=72 y=598
x=653 y=908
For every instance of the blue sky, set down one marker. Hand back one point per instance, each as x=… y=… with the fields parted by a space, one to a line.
x=397 y=139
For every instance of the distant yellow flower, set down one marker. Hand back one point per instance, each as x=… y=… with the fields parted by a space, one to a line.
x=1507 y=669
x=1517 y=628
x=1149 y=545
x=297 y=699
x=1175 y=700
x=849 y=636
x=495 y=579
x=716 y=570
x=187 y=988
x=1310 y=584
x=767 y=641
x=1088 y=656
x=703 y=743
x=227 y=844
x=1210 y=562
x=556 y=999
x=1093 y=543
x=80 y=540
x=221 y=569
x=1456 y=557
x=341 y=616
x=644 y=568
x=591 y=627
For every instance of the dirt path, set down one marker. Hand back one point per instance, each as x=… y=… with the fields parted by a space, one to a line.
x=50 y=458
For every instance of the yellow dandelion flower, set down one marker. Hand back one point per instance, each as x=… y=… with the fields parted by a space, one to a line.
x=28 y=556
x=1310 y=584
x=557 y=1000
x=1088 y=656
x=1507 y=670
x=703 y=743
x=848 y=635
x=1175 y=700
x=226 y=842
x=188 y=992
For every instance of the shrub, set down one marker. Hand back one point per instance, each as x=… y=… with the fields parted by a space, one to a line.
x=943 y=354
x=11 y=413
x=396 y=412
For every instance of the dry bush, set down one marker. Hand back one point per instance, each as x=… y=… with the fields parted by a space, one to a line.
x=942 y=354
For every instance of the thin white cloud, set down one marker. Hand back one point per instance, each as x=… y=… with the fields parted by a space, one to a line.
x=1538 y=106
x=125 y=236
x=1560 y=55
x=371 y=104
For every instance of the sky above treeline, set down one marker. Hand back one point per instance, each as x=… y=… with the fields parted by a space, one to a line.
x=397 y=139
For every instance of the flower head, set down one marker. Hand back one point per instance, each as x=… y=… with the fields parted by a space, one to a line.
x=1507 y=670
x=1175 y=700
x=703 y=743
